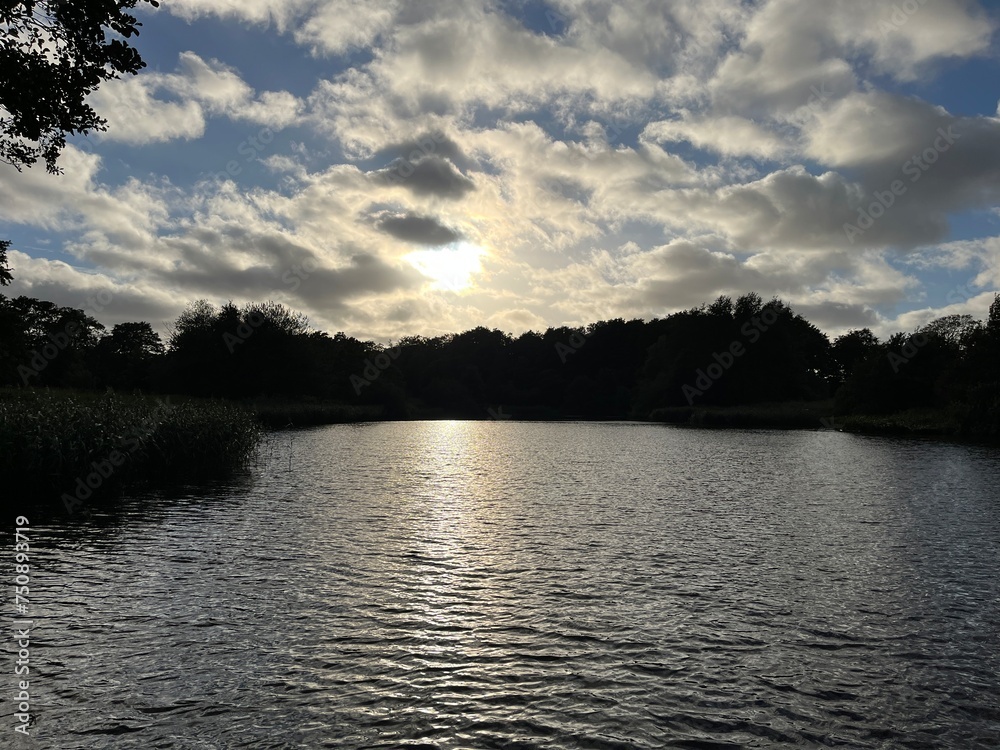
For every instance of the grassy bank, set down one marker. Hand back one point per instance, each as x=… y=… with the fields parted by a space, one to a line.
x=795 y=415
x=55 y=442
x=913 y=422
x=956 y=422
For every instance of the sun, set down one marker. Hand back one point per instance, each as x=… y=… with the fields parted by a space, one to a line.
x=452 y=267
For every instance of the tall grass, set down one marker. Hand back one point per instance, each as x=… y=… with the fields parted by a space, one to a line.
x=915 y=422
x=51 y=439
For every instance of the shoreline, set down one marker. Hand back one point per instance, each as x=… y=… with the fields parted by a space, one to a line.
x=939 y=424
x=77 y=445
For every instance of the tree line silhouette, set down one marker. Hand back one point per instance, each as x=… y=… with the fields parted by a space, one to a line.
x=727 y=353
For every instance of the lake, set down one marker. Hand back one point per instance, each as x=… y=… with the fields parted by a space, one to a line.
x=532 y=585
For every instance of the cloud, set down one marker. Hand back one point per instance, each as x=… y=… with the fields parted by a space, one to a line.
x=613 y=158
x=906 y=39
x=78 y=202
x=517 y=321
x=135 y=116
x=790 y=48
x=200 y=89
x=431 y=175
x=980 y=256
x=870 y=128
x=336 y=26
x=684 y=274
x=326 y=27
x=278 y=13
x=365 y=276
x=422 y=230
x=978 y=307
x=274 y=109
x=727 y=135
x=217 y=86
x=109 y=299
x=414 y=149
x=838 y=317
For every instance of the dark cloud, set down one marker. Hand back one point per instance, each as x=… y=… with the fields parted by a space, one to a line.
x=110 y=305
x=941 y=183
x=684 y=274
x=423 y=230
x=439 y=177
x=432 y=175
x=424 y=145
x=837 y=315
x=367 y=274
x=285 y=267
x=402 y=313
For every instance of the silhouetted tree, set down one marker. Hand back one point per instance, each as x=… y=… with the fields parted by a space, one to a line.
x=747 y=306
x=850 y=349
x=955 y=329
x=982 y=392
x=53 y=54
x=45 y=344
x=124 y=358
x=722 y=306
x=5 y=275
x=734 y=353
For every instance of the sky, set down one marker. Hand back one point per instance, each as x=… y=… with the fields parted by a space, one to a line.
x=421 y=168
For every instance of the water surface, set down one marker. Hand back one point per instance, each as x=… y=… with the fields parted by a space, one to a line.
x=523 y=585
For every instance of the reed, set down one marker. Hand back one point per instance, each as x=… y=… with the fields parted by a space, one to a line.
x=50 y=439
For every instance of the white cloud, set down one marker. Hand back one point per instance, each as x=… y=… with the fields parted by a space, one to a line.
x=136 y=117
x=728 y=135
x=873 y=127
x=199 y=89
x=336 y=26
x=275 y=109
x=906 y=40
x=279 y=13
x=216 y=86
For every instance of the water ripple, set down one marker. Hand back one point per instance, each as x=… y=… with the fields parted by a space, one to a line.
x=499 y=585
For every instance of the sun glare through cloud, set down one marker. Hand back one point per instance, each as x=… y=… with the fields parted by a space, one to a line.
x=452 y=268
